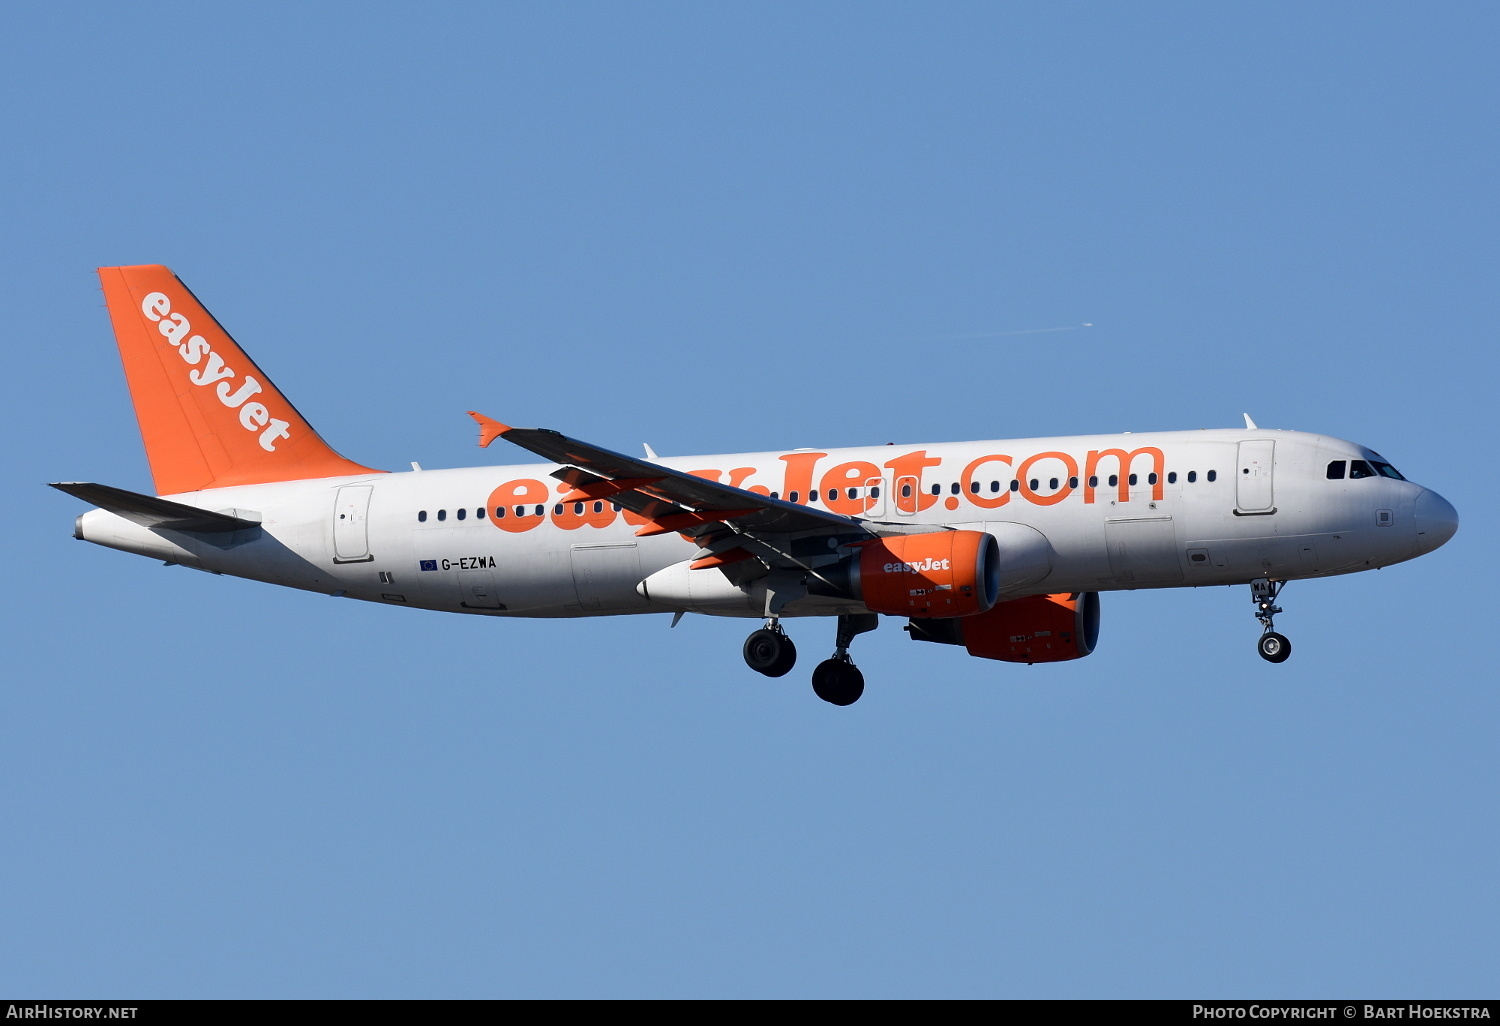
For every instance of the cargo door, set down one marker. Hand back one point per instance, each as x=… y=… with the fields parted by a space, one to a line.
x=351 y=535
x=1143 y=550
x=478 y=590
x=1253 y=477
x=605 y=577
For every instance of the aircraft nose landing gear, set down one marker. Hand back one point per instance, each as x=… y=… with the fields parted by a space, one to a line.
x=838 y=680
x=1273 y=647
x=770 y=651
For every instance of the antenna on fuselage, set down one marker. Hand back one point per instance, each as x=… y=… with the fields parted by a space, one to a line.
x=650 y=452
x=1250 y=424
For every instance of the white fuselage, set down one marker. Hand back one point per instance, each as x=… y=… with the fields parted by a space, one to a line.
x=1216 y=507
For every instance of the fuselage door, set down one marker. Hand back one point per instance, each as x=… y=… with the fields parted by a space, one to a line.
x=1143 y=550
x=477 y=590
x=351 y=535
x=1253 y=476
x=605 y=576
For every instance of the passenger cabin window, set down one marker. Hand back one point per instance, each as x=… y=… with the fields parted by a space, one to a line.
x=462 y=513
x=479 y=513
x=499 y=512
x=1053 y=484
x=875 y=492
x=1336 y=470
x=1132 y=480
x=906 y=491
x=1032 y=483
x=1192 y=476
x=974 y=487
x=1015 y=486
x=1072 y=482
x=1171 y=478
x=422 y=516
x=1213 y=475
x=994 y=486
x=442 y=514
x=812 y=496
x=1359 y=469
x=937 y=489
x=1114 y=479
x=954 y=488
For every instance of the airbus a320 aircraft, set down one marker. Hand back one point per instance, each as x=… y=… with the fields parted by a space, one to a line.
x=1000 y=547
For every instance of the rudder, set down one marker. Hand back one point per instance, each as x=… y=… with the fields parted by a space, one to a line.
x=209 y=417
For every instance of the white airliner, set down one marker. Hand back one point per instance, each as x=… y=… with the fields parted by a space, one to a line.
x=1001 y=547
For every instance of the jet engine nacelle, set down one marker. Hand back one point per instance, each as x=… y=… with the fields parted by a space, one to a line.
x=1035 y=629
x=945 y=573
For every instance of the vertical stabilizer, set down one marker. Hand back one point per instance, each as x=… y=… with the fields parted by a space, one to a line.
x=209 y=416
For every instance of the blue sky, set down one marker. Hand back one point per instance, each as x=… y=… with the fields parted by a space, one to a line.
x=720 y=228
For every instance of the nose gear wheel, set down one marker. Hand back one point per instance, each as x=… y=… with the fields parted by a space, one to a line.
x=1273 y=647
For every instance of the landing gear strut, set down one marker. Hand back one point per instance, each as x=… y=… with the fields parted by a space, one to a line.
x=838 y=680
x=770 y=651
x=1273 y=647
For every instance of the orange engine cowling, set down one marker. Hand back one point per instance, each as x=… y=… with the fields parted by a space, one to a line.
x=945 y=573
x=1035 y=629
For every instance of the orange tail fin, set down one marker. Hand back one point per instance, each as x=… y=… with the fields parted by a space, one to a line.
x=208 y=415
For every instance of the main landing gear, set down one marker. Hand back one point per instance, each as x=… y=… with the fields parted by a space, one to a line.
x=770 y=651
x=837 y=680
x=1273 y=647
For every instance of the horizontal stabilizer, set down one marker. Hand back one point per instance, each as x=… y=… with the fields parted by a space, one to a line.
x=151 y=512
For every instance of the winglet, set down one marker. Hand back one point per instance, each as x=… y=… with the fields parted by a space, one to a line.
x=1250 y=424
x=489 y=429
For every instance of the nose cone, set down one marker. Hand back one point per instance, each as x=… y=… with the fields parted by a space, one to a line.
x=1437 y=520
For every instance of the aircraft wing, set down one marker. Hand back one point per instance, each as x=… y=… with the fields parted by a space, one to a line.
x=673 y=500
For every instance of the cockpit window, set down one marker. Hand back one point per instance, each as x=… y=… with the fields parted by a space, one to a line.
x=1336 y=470
x=1359 y=469
x=1386 y=470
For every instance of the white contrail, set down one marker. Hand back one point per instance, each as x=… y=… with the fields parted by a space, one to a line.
x=996 y=335
x=1001 y=334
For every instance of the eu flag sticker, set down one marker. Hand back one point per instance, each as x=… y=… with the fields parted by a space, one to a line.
x=429 y=564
